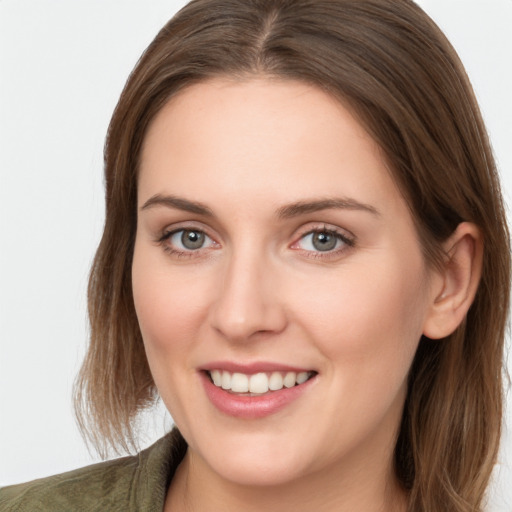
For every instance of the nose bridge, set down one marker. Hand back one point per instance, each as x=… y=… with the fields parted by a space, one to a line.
x=247 y=302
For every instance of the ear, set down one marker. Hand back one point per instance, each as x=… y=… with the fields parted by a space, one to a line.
x=456 y=284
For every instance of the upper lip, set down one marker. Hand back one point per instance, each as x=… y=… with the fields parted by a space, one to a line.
x=253 y=367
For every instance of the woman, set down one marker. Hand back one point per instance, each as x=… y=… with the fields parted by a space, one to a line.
x=305 y=254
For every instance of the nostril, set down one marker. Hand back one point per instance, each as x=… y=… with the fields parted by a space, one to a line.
x=247 y=304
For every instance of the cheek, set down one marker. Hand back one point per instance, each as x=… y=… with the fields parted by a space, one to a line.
x=367 y=321
x=168 y=304
x=170 y=312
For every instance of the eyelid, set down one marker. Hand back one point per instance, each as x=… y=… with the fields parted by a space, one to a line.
x=342 y=234
x=345 y=236
x=168 y=232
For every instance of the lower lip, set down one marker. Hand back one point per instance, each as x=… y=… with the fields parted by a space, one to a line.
x=252 y=407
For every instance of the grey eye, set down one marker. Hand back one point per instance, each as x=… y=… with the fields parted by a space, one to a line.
x=191 y=239
x=324 y=241
x=187 y=242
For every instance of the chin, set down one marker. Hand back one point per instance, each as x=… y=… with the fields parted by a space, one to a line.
x=257 y=471
x=255 y=460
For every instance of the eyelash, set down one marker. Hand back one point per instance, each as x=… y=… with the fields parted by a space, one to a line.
x=190 y=253
x=347 y=242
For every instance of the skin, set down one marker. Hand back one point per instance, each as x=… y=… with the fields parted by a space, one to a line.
x=258 y=290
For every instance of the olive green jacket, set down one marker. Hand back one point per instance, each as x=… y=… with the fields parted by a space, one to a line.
x=138 y=483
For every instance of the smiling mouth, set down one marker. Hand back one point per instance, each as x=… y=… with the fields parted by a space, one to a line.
x=257 y=384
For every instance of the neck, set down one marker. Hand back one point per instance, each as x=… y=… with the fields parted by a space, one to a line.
x=196 y=488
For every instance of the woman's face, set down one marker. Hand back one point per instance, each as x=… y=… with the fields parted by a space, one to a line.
x=273 y=249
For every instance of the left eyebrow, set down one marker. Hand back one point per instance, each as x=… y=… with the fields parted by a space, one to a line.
x=303 y=207
x=178 y=203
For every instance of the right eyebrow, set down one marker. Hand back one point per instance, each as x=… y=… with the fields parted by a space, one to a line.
x=178 y=203
x=316 y=205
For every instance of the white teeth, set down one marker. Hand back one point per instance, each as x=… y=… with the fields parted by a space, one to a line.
x=258 y=383
x=217 y=378
x=302 y=377
x=226 y=380
x=289 y=379
x=239 y=383
x=275 y=382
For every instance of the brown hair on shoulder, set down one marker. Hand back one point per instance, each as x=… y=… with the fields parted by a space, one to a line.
x=389 y=62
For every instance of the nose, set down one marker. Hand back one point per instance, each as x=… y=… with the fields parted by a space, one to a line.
x=248 y=302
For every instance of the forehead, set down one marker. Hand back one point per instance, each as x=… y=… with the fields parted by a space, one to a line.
x=260 y=138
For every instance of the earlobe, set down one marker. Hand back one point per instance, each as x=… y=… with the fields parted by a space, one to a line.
x=459 y=279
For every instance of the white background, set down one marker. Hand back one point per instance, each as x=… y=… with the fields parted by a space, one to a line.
x=62 y=67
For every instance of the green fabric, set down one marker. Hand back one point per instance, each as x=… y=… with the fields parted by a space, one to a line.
x=137 y=482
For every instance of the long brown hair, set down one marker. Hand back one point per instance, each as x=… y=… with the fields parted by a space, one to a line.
x=392 y=65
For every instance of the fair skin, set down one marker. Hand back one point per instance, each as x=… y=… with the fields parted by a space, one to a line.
x=260 y=283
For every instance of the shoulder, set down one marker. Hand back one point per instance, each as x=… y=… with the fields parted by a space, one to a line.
x=78 y=489
x=136 y=482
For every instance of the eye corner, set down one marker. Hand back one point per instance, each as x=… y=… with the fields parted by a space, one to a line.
x=185 y=241
x=323 y=241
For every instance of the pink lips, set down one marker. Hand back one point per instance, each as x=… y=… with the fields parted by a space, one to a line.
x=251 y=368
x=251 y=407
